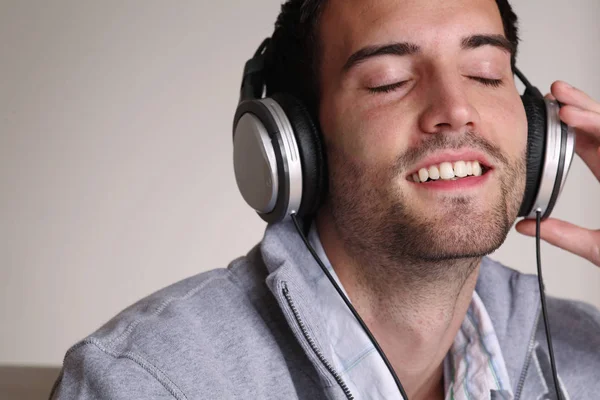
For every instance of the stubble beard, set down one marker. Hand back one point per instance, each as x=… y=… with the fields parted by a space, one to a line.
x=391 y=244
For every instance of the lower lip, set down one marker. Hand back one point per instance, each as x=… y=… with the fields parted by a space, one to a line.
x=459 y=184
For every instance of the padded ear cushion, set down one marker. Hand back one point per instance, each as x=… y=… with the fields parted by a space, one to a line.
x=535 y=108
x=311 y=152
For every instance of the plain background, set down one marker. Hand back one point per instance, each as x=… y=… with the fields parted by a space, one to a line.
x=115 y=154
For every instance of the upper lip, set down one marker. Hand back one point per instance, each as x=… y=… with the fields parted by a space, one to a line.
x=452 y=156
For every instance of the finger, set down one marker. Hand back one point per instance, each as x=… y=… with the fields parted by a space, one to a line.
x=549 y=96
x=568 y=95
x=577 y=240
x=589 y=151
x=585 y=120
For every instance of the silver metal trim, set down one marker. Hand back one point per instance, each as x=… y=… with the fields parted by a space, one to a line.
x=551 y=159
x=570 y=151
x=255 y=164
x=290 y=155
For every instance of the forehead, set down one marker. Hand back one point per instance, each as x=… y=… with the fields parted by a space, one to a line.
x=348 y=25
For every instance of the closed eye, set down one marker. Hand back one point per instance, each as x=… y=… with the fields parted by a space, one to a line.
x=488 y=82
x=393 y=86
x=387 y=88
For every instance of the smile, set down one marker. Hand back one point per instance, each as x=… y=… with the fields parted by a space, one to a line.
x=449 y=171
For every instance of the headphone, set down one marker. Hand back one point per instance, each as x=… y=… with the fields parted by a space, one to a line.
x=279 y=161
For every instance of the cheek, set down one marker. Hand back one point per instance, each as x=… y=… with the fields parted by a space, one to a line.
x=509 y=124
x=372 y=136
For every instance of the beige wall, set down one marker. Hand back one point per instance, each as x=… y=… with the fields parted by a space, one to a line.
x=115 y=154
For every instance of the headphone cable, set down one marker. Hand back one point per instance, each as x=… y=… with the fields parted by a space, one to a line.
x=352 y=309
x=543 y=300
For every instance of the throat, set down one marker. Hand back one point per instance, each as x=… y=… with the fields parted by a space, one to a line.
x=416 y=327
x=416 y=313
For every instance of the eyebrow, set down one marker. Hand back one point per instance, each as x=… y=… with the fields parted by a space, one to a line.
x=499 y=41
x=406 y=49
x=396 y=49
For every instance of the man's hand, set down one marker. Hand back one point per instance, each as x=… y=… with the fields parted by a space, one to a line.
x=583 y=114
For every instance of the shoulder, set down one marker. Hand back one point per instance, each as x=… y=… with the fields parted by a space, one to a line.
x=197 y=327
x=567 y=317
x=196 y=302
x=575 y=329
x=513 y=301
x=575 y=323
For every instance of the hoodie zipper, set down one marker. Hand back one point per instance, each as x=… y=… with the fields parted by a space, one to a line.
x=528 y=358
x=313 y=346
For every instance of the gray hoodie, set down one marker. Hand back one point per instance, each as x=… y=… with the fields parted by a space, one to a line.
x=250 y=332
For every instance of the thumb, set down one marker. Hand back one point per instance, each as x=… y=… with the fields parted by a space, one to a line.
x=567 y=236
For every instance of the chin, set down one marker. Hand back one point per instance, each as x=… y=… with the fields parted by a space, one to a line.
x=459 y=251
x=465 y=231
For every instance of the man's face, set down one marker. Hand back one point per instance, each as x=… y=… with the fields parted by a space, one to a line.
x=431 y=99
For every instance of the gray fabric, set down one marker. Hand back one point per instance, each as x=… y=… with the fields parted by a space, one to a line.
x=234 y=334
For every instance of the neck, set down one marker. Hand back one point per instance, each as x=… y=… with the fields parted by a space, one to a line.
x=414 y=316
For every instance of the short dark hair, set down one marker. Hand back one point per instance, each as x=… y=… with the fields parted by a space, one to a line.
x=293 y=58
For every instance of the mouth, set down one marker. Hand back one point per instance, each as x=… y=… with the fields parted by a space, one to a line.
x=449 y=171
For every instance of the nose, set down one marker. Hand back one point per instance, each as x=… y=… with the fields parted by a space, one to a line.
x=448 y=108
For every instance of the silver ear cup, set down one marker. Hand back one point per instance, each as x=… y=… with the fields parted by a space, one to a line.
x=267 y=164
x=254 y=164
x=290 y=154
x=560 y=146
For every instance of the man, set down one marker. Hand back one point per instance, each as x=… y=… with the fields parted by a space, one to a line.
x=409 y=256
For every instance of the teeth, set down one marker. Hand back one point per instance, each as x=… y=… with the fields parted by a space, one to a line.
x=460 y=169
x=448 y=171
x=477 y=168
x=434 y=172
x=423 y=174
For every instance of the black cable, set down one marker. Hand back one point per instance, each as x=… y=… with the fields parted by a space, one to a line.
x=522 y=78
x=262 y=47
x=530 y=90
x=354 y=312
x=543 y=299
